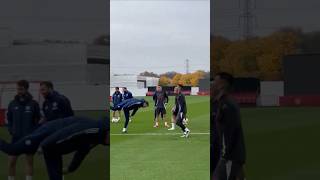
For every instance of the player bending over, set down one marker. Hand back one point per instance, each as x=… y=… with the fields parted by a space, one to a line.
x=128 y=105
x=181 y=111
x=59 y=137
x=160 y=99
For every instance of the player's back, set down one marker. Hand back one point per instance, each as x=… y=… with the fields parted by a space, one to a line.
x=134 y=103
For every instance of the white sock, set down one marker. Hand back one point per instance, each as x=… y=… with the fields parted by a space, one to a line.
x=173 y=125
x=28 y=177
x=124 y=129
x=186 y=130
x=10 y=177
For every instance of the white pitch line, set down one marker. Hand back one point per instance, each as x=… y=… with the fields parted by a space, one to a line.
x=157 y=134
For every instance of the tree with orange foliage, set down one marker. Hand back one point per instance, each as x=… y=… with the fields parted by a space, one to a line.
x=164 y=81
x=176 y=79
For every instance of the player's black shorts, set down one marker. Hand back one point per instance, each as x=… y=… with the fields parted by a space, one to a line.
x=160 y=111
x=228 y=170
x=115 y=107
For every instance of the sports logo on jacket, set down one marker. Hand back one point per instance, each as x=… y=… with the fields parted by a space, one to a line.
x=28 y=109
x=54 y=106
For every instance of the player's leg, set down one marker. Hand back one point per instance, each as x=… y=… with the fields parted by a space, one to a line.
x=113 y=115
x=53 y=155
x=54 y=163
x=119 y=115
x=228 y=170
x=12 y=163
x=237 y=171
x=173 y=122
x=163 y=117
x=127 y=119
x=81 y=139
x=156 y=117
x=29 y=166
x=173 y=119
x=220 y=172
x=185 y=130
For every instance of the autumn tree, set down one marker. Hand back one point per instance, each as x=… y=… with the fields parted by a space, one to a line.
x=164 y=81
x=195 y=77
x=185 y=79
x=217 y=52
x=257 y=57
x=176 y=79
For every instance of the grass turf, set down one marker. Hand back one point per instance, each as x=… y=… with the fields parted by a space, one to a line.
x=96 y=164
x=282 y=143
x=162 y=157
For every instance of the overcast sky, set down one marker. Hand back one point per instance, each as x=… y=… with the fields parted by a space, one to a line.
x=55 y=19
x=159 y=36
x=269 y=16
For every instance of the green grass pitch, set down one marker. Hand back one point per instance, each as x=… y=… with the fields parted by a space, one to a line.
x=95 y=166
x=150 y=153
x=282 y=143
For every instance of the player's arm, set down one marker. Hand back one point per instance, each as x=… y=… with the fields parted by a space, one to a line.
x=113 y=97
x=37 y=114
x=10 y=119
x=70 y=111
x=43 y=119
x=65 y=105
x=78 y=157
x=121 y=97
x=154 y=97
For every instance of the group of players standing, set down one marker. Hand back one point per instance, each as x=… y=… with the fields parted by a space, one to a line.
x=55 y=133
x=161 y=99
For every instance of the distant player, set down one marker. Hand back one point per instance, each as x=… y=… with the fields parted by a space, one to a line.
x=229 y=131
x=23 y=116
x=130 y=105
x=116 y=99
x=160 y=99
x=126 y=94
x=60 y=137
x=180 y=111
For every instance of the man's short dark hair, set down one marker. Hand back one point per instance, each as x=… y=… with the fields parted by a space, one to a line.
x=124 y=88
x=227 y=77
x=23 y=83
x=117 y=88
x=48 y=84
